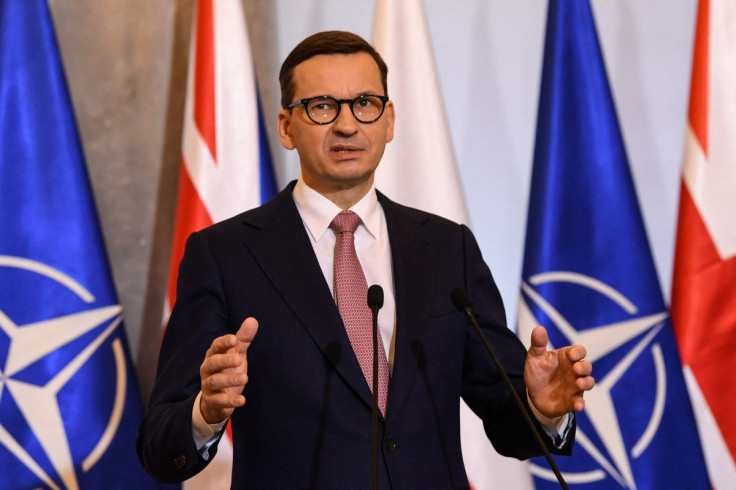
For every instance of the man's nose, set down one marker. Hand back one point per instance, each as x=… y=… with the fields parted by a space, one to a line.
x=345 y=124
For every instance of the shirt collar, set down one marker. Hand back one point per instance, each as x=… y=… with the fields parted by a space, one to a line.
x=317 y=211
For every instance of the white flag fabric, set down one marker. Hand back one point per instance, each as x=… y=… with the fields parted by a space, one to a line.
x=418 y=169
x=225 y=164
x=704 y=278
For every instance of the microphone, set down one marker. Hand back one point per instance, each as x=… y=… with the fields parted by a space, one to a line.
x=375 y=297
x=462 y=304
x=375 y=303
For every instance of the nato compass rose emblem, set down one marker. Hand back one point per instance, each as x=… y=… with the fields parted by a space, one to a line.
x=613 y=348
x=49 y=402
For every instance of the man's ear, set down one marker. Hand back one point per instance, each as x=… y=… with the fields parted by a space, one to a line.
x=285 y=129
x=390 y=113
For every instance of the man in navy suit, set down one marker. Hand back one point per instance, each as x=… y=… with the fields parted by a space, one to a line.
x=256 y=339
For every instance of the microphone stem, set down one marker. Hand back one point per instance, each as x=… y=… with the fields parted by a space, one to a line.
x=516 y=398
x=374 y=449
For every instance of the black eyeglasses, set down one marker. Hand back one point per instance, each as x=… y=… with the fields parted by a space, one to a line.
x=324 y=109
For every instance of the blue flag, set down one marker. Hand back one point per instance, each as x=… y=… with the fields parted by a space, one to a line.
x=268 y=178
x=69 y=406
x=588 y=276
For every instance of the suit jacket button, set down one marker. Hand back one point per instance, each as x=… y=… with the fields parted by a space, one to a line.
x=180 y=461
x=391 y=445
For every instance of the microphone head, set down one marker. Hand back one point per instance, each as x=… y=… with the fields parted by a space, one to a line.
x=459 y=299
x=375 y=297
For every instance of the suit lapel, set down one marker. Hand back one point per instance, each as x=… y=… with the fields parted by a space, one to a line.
x=414 y=286
x=278 y=241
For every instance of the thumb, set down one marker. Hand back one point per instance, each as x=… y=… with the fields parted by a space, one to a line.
x=538 y=341
x=246 y=333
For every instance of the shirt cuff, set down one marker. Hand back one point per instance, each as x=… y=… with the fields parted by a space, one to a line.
x=204 y=434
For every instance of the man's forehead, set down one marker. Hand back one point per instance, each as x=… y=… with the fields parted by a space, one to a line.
x=355 y=72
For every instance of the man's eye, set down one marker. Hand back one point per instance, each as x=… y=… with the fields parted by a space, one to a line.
x=325 y=106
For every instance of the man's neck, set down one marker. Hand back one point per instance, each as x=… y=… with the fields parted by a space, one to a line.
x=344 y=197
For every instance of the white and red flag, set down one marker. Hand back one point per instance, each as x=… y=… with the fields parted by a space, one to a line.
x=226 y=165
x=418 y=169
x=704 y=278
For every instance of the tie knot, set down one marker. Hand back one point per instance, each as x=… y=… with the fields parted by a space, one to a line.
x=345 y=221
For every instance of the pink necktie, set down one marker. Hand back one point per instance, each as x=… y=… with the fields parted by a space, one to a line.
x=351 y=292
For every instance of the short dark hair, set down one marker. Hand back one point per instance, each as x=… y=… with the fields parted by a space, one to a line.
x=328 y=42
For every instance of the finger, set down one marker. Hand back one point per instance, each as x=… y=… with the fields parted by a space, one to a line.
x=246 y=333
x=217 y=407
x=538 y=341
x=585 y=384
x=218 y=363
x=219 y=402
x=578 y=403
x=222 y=344
x=582 y=368
x=576 y=353
x=223 y=381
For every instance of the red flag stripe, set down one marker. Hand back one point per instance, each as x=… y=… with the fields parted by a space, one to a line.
x=698 y=114
x=204 y=76
x=704 y=314
x=191 y=215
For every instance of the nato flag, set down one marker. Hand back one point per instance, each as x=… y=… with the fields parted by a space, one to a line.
x=588 y=276
x=69 y=406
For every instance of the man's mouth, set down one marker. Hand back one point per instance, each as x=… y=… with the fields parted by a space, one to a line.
x=344 y=150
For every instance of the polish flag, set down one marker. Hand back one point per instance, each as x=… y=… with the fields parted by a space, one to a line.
x=225 y=161
x=704 y=279
x=418 y=169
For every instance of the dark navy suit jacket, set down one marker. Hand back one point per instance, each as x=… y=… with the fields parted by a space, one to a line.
x=307 y=418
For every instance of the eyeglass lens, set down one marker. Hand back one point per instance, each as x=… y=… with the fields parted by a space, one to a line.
x=366 y=108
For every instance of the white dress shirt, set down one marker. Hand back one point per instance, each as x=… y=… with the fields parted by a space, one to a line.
x=371 y=245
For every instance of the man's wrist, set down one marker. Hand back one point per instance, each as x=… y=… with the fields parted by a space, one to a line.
x=555 y=427
x=203 y=432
